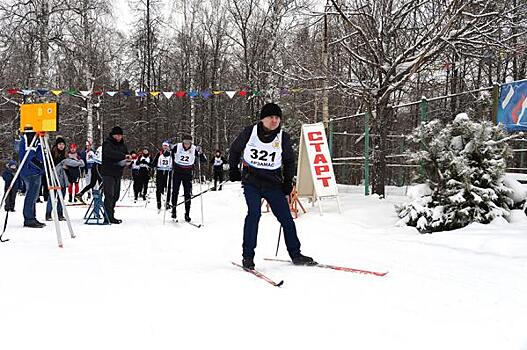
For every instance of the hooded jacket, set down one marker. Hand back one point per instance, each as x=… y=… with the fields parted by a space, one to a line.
x=112 y=153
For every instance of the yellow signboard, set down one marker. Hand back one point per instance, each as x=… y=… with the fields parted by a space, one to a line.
x=39 y=116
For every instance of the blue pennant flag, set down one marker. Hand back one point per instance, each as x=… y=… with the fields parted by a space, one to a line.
x=193 y=93
x=127 y=93
x=140 y=94
x=206 y=94
x=42 y=92
x=512 y=106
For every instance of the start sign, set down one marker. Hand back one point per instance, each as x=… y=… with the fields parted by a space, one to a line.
x=315 y=175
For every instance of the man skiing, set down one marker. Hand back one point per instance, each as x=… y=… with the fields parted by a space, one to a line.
x=163 y=165
x=217 y=169
x=143 y=161
x=268 y=166
x=184 y=155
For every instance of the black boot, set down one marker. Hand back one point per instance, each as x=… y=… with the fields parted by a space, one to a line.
x=174 y=216
x=71 y=197
x=248 y=263
x=187 y=217
x=300 y=259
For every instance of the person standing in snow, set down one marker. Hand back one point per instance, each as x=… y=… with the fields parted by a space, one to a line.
x=184 y=155
x=135 y=175
x=268 y=166
x=73 y=173
x=114 y=158
x=31 y=174
x=217 y=169
x=163 y=165
x=62 y=162
x=95 y=173
x=143 y=161
x=8 y=175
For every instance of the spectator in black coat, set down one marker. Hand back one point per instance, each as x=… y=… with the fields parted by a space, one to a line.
x=114 y=158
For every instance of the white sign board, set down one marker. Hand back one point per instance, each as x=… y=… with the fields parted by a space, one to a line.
x=315 y=175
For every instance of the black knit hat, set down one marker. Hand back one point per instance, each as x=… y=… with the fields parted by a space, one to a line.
x=186 y=137
x=59 y=139
x=270 y=109
x=116 y=130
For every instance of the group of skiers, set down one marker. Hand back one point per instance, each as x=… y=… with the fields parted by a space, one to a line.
x=263 y=149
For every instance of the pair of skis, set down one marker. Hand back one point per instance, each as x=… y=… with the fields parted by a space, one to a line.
x=325 y=266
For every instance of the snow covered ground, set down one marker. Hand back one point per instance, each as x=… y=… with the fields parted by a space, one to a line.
x=145 y=285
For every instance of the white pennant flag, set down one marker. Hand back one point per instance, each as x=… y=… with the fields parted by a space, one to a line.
x=111 y=93
x=85 y=93
x=168 y=94
x=27 y=92
x=230 y=93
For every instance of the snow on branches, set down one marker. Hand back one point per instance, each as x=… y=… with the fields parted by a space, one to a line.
x=462 y=164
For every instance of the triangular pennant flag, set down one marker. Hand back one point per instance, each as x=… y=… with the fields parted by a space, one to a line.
x=168 y=94
x=154 y=93
x=140 y=93
x=27 y=92
x=256 y=93
x=284 y=92
x=230 y=93
x=12 y=91
x=85 y=93
x=217 y=92
x=206 y=94
x=127 y=93
x=193 y=93
x=242 y=93
x=42 y=92
x=97 y=93
x=296 y=90
x=71 y=92
x=56 y=92
x=111 y=93
x=181 y=93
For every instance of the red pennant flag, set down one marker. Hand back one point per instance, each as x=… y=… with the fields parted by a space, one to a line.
x=181 y=93
x=242 y=93
x=97 y=93
x=12 y=91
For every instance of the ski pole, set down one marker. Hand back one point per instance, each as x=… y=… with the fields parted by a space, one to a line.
x=200 y=189
x=278 y=243
x=199 y=194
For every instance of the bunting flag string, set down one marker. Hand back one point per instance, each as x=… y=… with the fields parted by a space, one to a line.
x=205 y=94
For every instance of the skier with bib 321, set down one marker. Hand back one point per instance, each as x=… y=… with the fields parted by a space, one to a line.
x=268 y=166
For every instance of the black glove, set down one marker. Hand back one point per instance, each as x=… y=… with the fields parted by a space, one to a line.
x=235 y=175
x=287 y=187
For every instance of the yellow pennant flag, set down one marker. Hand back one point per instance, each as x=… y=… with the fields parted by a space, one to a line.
x=154 y=93
x=56 y=92
x=217 y=92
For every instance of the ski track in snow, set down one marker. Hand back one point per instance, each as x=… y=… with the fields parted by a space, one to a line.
x=145 y=285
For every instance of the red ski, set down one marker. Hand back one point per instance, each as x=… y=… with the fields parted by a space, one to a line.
x=339 y=268
x=260 y=275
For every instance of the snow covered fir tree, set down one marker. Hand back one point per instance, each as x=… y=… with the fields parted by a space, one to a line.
x=462 y=165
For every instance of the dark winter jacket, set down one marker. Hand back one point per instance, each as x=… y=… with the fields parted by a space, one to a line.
x=74 y=172
x=218 y=168
x=262 y=177
x=144 y=170
x=8 y=176
x=113 y=152
x=34 y=164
